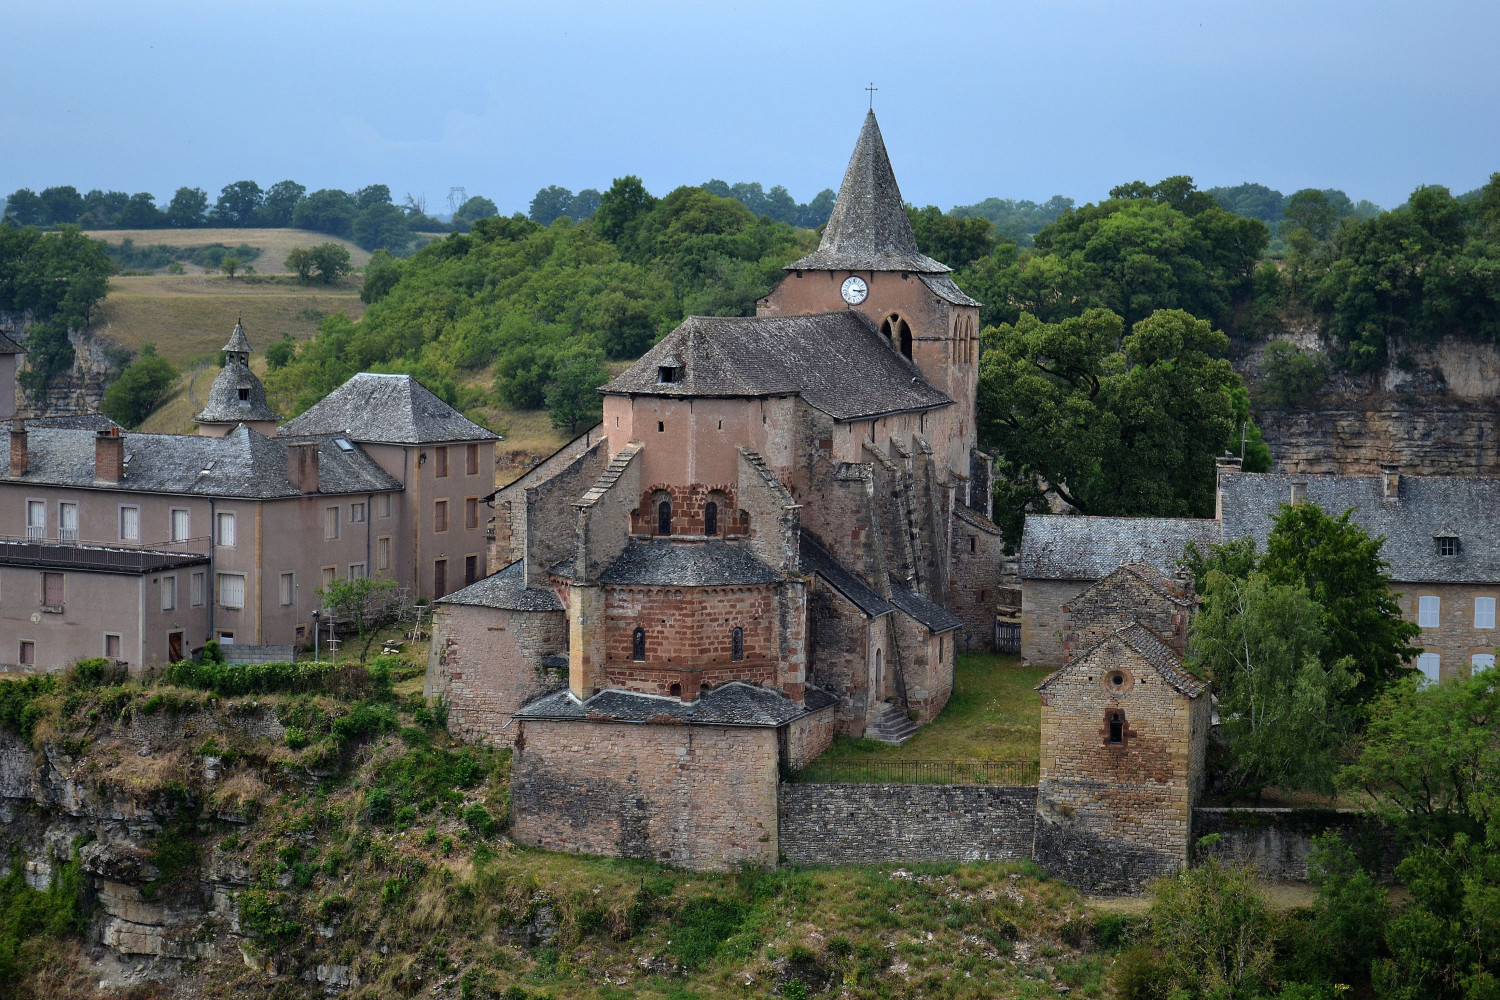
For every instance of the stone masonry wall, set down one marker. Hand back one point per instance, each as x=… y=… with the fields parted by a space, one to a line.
x=840 y=654
x=550 y=519
x=488 y=663
x=689 y=628
x=977 y=553
x=929 y=679
x=1276 y=842
x=808 y=737
x=1114 y=602
x=861 y=824
x=1111 y=817
x=1042 y=622
x=1455 y=639
x=698 y=796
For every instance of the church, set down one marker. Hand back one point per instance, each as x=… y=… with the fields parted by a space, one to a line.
x=780 y=531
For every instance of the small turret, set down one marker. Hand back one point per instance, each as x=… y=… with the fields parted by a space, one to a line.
x=237 y=351
x=236 y=397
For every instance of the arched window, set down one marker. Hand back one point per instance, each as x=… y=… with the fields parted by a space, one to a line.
x=711 y=519
x=638 y=645
x=737 y=644
x=905 y=334
x=1115 y=728
x=664 y=518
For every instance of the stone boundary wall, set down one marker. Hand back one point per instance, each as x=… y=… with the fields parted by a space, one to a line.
x=1277 y=841
x=861 y=824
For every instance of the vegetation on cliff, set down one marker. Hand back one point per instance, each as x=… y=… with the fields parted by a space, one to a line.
x=57 y=279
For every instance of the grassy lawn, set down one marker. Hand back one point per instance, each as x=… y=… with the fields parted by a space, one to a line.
x=993 y=715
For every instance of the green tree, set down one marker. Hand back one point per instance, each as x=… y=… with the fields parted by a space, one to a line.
x=1255 y=201
x=58 y=278
x=140 y=212
x=1214 y=932
x=300 y=260
x=1290 y=377
x=1280 y=699
x=330 y=260
x=239 y=204
x=551 y=202
x=473 y=209
x=382 y=226
x=364 y=605
x=187 y=208
x=369 y=197
x=230 y=264
x=280 y=352
x=143 y=386
x=1111 y=425
x=381 y=275
x=280 y=204
x=572 y=395
x=327 y=211
x=954 y=240
x=24 y=208
x=1340 y=566
x=1013 y=220
x=626 y=200
x=61 y=206
x=1310 y=209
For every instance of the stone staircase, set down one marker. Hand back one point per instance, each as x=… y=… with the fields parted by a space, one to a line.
x=890 y=725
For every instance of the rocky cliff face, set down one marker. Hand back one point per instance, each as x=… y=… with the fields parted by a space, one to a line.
x=1433 y=410
x=96 y=363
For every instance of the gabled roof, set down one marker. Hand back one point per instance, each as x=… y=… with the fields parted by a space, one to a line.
x=506 y=590
x=1425 y=508
x=816 y=559
x=869 y=229
x=1153 y=579
x=1072 y=547
x=386 y=409
x=224 y=404
x=688 y=564
x=974 y=519
x=837 y=362
x=238 y=342
x=242 y=464
x=937 y=619
x=1155 y=652
x=733 y=704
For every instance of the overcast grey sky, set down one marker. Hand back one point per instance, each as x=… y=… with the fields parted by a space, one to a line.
x=1017 y=100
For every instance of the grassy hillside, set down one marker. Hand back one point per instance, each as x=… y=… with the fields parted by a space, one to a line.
x=274 y=244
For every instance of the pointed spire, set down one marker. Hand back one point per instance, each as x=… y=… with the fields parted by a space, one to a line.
x=869 y=230
x=238 y=342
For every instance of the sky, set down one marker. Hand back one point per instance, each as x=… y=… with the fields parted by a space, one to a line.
x=1012 y=100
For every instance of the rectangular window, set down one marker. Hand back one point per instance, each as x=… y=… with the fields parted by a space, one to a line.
x=1431 y=665
x=331 y=523
x=52 y=591
x=111 y=646
x=356 y=571
x=1447 y=546
x=181 y=525
x=471 y=512
x=356 y=513
x=288 y=589
x=169 y=593
x=440 y=515
x=471 y=459
x=226 y=638
x=130 y=524
x=440 y=461
x=382 y=553
x=385 y=505
x=36 y=519
x=439 y=578
x=67 y=523
x=330 y=576
x=225 y=529
x=28 y=653
x=471 y=569
x=1484 y=612
x=1480 y=662
x=232 y=590
x=195 y=588
x=1429 y=611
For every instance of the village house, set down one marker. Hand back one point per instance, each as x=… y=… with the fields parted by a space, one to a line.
x=160 y=542
x=756 y=548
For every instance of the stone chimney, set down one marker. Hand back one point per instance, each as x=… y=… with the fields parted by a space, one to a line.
x=18 y=446
x=109 y=456
x=302 y=465
x=1299 y=491
x=1390 y=480
x=1224 y=463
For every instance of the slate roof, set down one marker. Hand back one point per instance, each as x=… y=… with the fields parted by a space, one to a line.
x=224 y=404
x=237 y=340
x=386 y=409
x=241 y=464
x=687 y=564
x=75 y=421
x=1152 y=649
x=1158 y=582
x=946 y=289
x=8 y=346
x=837 y=362
x=815 y=559
x=869 y=229
x=937 y=619
x=1426 y=507
x=733 y=704
x=975 y=519
x=94 y=558
x=1071 y=547
x=506 y=590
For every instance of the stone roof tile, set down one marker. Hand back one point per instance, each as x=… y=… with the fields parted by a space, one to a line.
x=937 y=619
x=1072 y=547
x=733 y=704
x=663 y=563
x=816 y=559
x=225 y=405
x=386 y=409
x=1155 y=652
x=506 y=590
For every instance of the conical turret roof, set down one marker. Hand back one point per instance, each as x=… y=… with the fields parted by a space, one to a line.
x=237 y=340
x=869 y=230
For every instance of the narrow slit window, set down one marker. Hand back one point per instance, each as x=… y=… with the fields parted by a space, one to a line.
x=737 y=644
x=664 y=518
x=711 y=519
x=1116 y=726
x=638 y=646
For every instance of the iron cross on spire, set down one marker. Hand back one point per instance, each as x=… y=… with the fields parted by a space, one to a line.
x=872 y=88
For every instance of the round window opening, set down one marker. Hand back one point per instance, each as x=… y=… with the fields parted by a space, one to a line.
x=1117 y=679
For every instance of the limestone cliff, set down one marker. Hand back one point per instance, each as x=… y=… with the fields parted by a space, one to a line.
x=96 y=363
x=1434 y=409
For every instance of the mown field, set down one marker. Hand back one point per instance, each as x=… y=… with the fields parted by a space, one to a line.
x=274 y=244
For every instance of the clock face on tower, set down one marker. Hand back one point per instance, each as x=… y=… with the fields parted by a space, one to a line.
x=854 y=290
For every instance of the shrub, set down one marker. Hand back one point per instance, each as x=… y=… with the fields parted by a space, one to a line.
x=18 y=709
x=1290 y=377
x=479 y=820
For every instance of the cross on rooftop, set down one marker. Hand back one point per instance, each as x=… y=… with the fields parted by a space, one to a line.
x=872 y=88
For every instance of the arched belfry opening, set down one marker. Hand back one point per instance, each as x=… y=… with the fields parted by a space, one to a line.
x=898 y=332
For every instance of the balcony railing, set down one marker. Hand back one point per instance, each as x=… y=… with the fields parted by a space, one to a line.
x=198 y=545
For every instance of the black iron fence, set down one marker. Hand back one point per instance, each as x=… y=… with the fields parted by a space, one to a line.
x=922 y=772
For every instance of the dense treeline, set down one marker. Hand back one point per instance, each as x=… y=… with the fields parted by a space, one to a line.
x=544 y=307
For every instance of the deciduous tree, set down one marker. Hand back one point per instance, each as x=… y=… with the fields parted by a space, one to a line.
x=140 y=389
